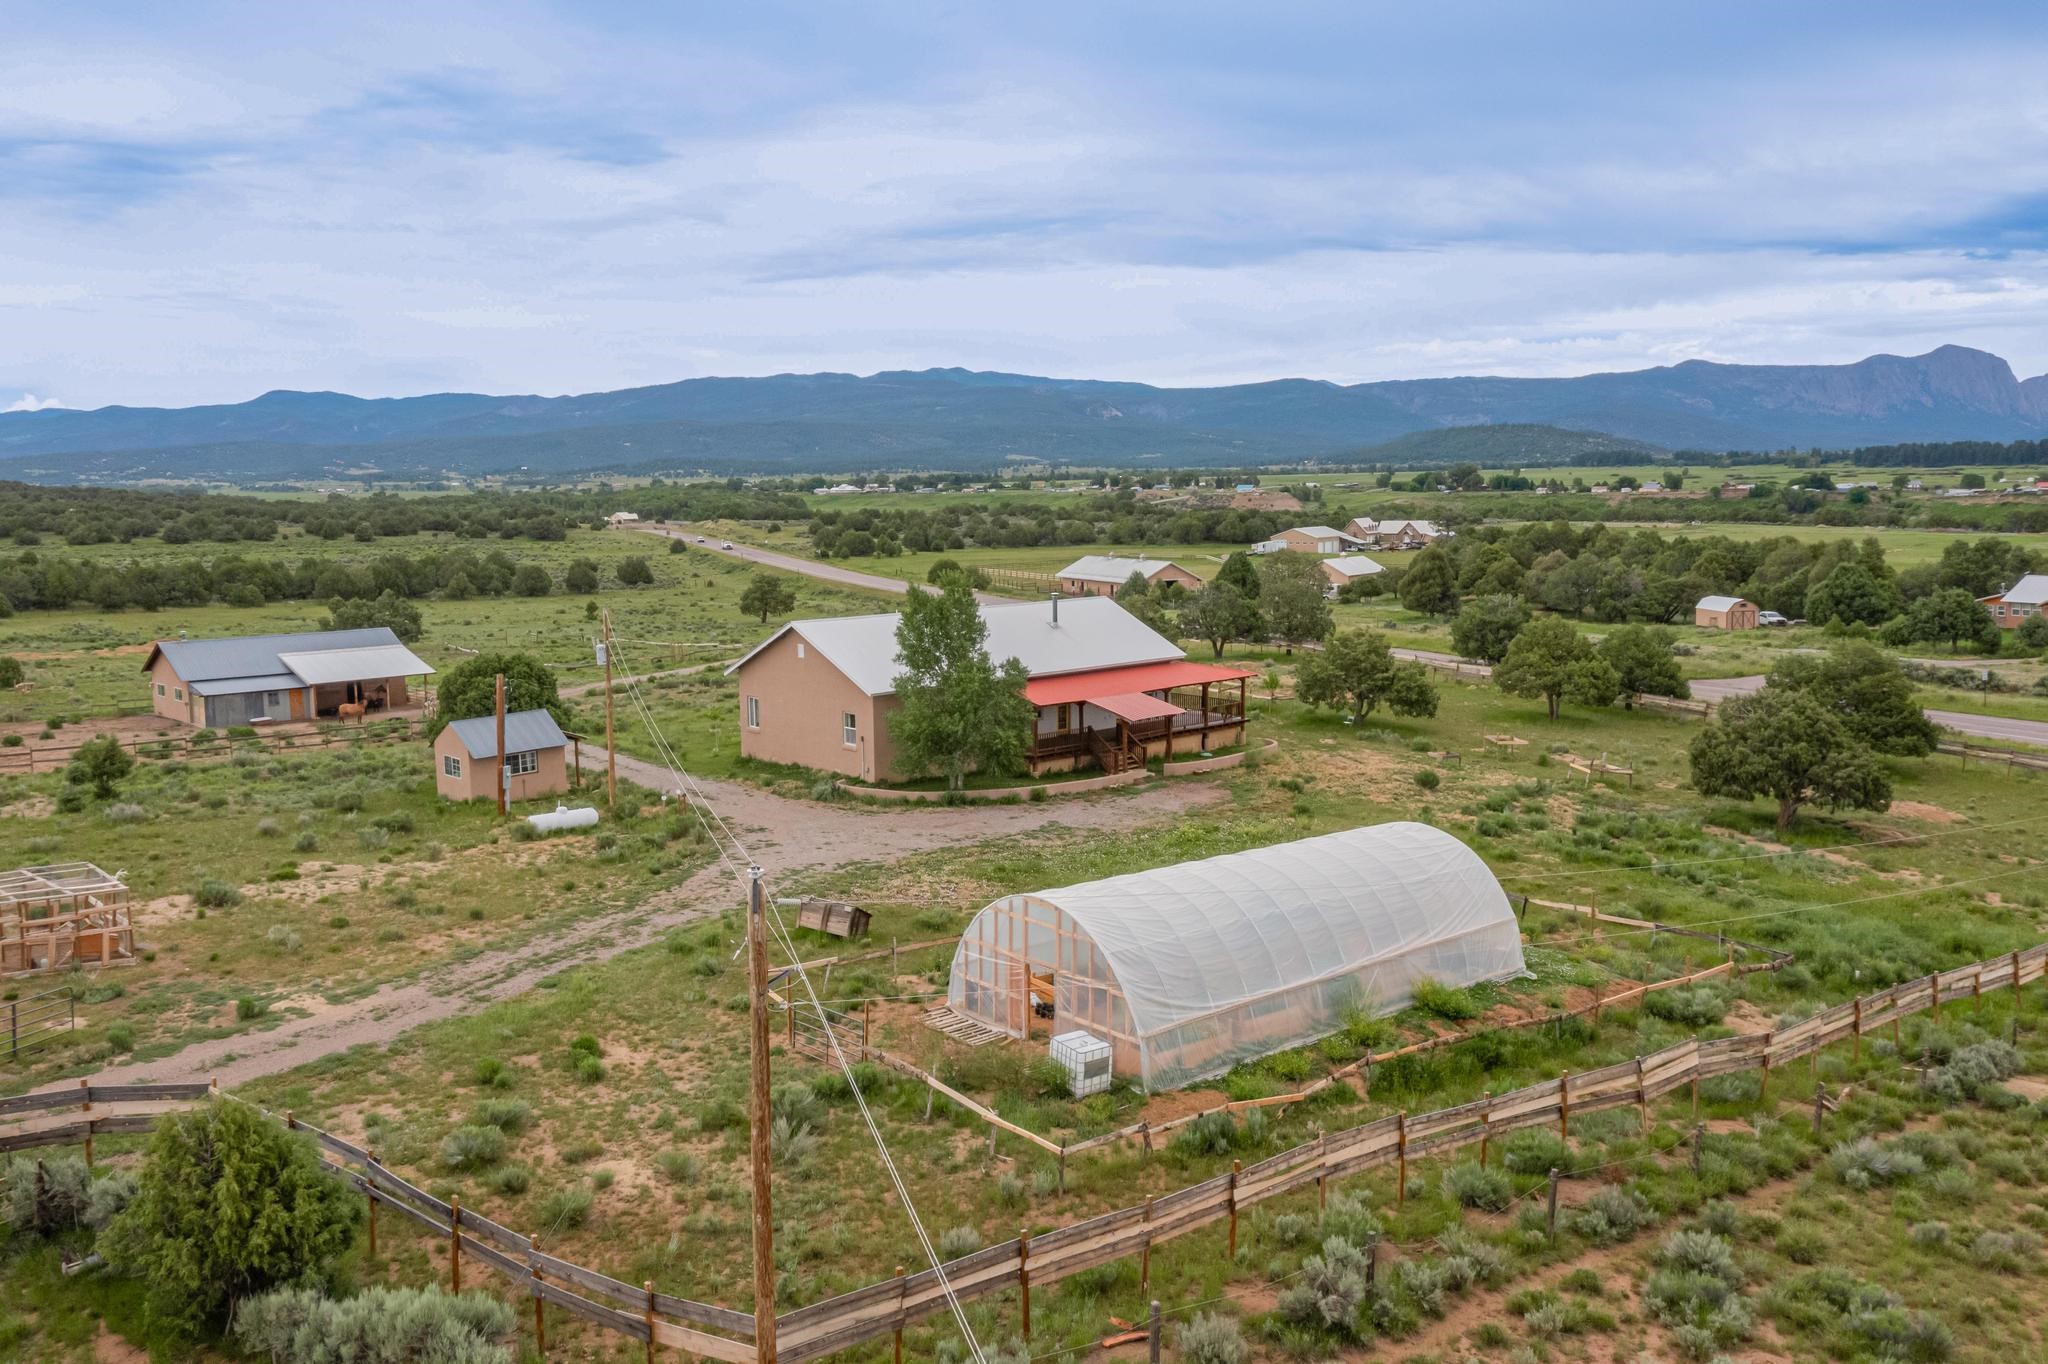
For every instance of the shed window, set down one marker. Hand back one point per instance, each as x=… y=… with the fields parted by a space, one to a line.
x=519 y=764
x=753 y=712
x=799 y=648
x=849 y=729
x=451 y=766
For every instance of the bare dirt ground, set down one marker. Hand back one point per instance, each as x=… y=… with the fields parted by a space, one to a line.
x=783 y=835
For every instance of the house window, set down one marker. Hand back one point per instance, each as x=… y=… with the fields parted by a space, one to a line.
x=159 y=689
x=753 y=712
x=799 y=648
x=451 y=766
x=178 y=693
x=519 y=764
x=849 y=729
x=272 y=700
x=1066 y=719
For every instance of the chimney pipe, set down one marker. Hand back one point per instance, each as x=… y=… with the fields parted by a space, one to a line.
x=1055 y=610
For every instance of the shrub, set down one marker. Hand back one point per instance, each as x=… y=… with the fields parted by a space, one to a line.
x=46 y=1196
x=1693 y=1006
x=1867 y=1163
x=958 y=1241
x=1801 y=1242
x=376 y=1326
x=1450 y=1002
x=374 y=839
x=306 y=841
x=1928 y=1234
x=266 y=828
x=679 y=1166
x=283 y=937
x=228 y=1205
x=472 y=1147
x=721 y=1115
x=1212 y=1134
x=510 y=1179
x=121 y=1037
x=1427 y=779
x=214 y=893
x=1211 y=1339
x=2009 y=1252
x=793 y=1143
x=1611 y=1214
x=796 y=1102
x=1973 y=1071
x=1331 y=1288
x=565 y=1208
x=248 y=1007
x=588 y=1068
x=507 y=1115
x=490 y=1071
x=1476 y=1186
x=1536 y=1151
x=126 y=812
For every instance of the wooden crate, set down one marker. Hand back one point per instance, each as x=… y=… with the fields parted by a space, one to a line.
x=836 y=917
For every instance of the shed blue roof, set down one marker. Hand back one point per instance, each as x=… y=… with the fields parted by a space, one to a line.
x=525 y=730
x=205 y=660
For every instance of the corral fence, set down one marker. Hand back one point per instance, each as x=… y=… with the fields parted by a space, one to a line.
x=38 y=1020
x=1021 y=580
x=890 y=1305
x=33 y=757
x=2007 y=758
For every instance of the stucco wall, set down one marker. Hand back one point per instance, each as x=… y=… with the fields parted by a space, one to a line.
x=170 y=705
x=802 y=699
x=550 y=778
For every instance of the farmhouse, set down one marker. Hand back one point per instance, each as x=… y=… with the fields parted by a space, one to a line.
x=1349 y=569
x=534 y=765
x=1725 y=613
x=1188 y=970
x=1108 y=691
x=1409 y=534
x=622 y=519
x=1310 y=540
x=2023 y=599
x=1104 y=575
x=257 y=678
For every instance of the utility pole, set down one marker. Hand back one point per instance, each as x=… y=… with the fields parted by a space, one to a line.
x=611 y=760
x=764 y=1225
x=504 y=771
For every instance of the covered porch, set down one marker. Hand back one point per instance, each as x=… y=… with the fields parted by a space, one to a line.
x=1118 y=718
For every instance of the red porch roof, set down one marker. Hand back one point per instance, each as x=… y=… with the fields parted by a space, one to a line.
x=1068 y=687
x=1136 y=706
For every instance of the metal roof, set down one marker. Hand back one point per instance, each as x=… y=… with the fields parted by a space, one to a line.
x=2031 y=590
x=1114 y=568
x=1355 y=565
x=1135 y=706
x=1086 y=686
x=237 y=686
x=1093 y=632
x=525 y=731
x=1318 y=532
x=355 y=665
x=1718 y=603
x=205 y=660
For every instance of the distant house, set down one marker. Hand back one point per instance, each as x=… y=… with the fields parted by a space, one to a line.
x=1310 y=540
x=1104 y=575
x=1725 y=613
x=2025 y=598
x=240 y=681
x=619 y=520
x=534 y=764
x=1408 y=534
x=1350 y=568
x=1109 y=692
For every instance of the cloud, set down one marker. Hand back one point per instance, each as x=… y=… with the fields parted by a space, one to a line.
x=528 y=198
x=29 y=402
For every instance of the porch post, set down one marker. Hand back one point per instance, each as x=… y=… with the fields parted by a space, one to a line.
x=1205 y=716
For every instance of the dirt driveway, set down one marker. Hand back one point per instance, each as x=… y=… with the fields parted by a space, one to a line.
x=785 y=835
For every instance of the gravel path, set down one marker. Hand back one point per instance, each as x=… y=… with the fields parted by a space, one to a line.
x=784 y=835
x=810 y=568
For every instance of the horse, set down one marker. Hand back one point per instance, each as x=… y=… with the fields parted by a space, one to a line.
x=350 y=711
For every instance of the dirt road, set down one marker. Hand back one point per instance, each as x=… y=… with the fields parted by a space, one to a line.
x=1961 y=721
x=784 y=835
x=810 y=568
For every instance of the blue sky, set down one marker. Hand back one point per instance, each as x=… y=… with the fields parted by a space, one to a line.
x=202 y=202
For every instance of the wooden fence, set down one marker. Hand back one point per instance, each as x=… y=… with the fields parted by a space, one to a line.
x=888 y=1306
x=1996 y=757
x=31 y=757
x=1022 y=580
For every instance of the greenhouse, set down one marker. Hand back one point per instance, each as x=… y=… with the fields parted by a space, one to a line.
x=1190 y=969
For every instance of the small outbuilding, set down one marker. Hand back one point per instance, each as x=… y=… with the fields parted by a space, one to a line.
x=1104 y=575
x=1191 y=969
x=1725 y=613
x=1349 y=568
x=536 y=762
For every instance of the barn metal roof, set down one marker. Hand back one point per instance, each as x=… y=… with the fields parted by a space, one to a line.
x=1114 y=568
x=370 y=653
x=1087 y=686
x=1093 y=632
x=2031 y=590
x=354 y=665
x=525 y=730
x=1355 y=565
x=239 y=686
x=1718 y=603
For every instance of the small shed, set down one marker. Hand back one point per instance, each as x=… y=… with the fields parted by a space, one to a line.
x=535 y=760
x=63 y=914
x=1725 y=613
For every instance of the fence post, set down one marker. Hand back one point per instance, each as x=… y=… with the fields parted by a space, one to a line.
x=1934 y=993
x=1236 y=1168
x=1856 y=1032
x=864 y=1030
x=2015 y=989
x=1372 y=1259
x=1401 y=1153
x=1145 y=1255
x=1145 y=1142
x=1322 y=1170
x=454 y=1245
x=1063 y=1167
x=1599 y=993
x=370 y=1196
x=1820 y=1099
x=1642 y=1097
x=1564 y=1105
x=1024 y=1275
x=1485 y=1125
x=1365 y=1075
x=1763 y=1084
x=1977 y=990
x=1699 y=1136
x=902 y=1292
x=648 y=1316
x=85 y=1089
x=13 y=1031
x=1553 y=1202
x=1152 y=1333
x=540 y=1322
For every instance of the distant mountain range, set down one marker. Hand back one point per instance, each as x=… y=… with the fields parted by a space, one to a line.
x=959 y=419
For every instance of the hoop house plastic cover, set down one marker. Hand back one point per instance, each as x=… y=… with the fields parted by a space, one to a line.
x=1189 y=969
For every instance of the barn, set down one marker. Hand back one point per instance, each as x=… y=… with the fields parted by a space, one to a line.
x=1188 y=970
x=254 y=679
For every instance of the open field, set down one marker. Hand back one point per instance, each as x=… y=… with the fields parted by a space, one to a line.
x=653 y=1139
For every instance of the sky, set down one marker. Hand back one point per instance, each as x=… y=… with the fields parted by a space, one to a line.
x=203 y=202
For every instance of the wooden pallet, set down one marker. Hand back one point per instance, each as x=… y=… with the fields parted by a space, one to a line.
x=964 y=1030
